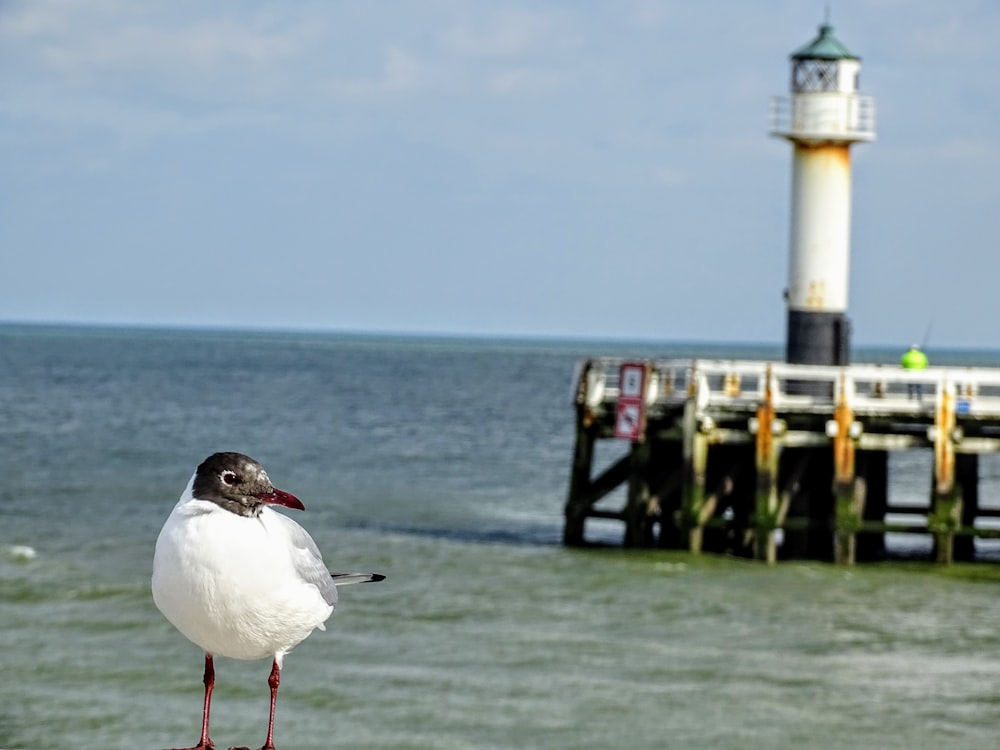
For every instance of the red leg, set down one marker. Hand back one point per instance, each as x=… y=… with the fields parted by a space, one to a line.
x=272 y=681
x=205 y=743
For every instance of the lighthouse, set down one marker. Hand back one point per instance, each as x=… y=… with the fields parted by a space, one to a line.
x=822 y=118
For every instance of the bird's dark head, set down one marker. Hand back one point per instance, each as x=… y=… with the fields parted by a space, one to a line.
x=239 y=484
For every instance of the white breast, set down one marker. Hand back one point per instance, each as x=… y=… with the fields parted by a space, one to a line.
x=234 y=585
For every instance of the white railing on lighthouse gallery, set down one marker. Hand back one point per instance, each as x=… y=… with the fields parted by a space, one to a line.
x=832 y=116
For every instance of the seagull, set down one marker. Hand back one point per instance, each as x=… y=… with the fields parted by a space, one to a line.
x=239 y=579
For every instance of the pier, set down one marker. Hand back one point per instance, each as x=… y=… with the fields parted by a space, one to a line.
x=775 y=460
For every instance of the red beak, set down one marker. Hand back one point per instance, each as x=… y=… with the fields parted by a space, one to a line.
x=278 y=497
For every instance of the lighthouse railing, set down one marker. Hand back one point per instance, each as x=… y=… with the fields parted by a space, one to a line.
x=823 y=116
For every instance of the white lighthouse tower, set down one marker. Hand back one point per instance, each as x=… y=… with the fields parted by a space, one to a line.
x=823 y=117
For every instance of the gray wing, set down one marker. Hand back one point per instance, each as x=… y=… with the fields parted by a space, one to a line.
x=307 y=559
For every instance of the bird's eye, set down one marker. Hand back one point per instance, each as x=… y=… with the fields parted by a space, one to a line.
x=229 y=478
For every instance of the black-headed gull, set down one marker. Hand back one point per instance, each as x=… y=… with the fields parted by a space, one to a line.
x=237 y=578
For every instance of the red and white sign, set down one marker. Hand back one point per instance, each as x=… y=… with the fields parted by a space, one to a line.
x=630 y=416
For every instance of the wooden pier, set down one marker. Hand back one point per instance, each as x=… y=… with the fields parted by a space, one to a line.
x=769 y=460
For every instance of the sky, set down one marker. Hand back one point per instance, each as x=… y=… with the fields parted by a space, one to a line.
x=553 y=168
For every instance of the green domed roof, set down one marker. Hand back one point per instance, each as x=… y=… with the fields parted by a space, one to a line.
x=824 y=47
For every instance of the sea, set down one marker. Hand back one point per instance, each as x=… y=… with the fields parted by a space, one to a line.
x=443 y=463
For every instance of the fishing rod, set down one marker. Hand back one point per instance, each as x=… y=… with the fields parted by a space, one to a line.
x=927 y=334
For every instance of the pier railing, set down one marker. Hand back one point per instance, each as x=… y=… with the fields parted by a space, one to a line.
x=875 y=390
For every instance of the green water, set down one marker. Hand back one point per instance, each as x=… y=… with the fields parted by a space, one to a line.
x=475 y=645
x=444 y=466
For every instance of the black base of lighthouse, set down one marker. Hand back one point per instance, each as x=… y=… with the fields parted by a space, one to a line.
x=818 y=338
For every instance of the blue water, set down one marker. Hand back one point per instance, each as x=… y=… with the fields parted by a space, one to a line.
x=442 y=463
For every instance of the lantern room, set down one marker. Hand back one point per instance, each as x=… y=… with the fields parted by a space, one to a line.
x=824 y=65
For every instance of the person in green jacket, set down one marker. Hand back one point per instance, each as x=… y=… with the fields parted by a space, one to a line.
x=913 y=359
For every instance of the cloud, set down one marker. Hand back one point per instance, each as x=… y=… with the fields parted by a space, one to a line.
x=32 y=20
x=200 y=45
x=957 y=37
x=669 y=176
x=104 y=45
x=145 y=71
x=506 y=35
x=401 y=72
x=525 y=80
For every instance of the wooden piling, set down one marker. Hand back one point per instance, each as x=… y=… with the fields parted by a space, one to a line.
x=638 y=519
x=848 y=488
x=695 y=456
x=580 y=486
x=946 y=503
x=967 y=478
x=873 y=469
x=766 y=503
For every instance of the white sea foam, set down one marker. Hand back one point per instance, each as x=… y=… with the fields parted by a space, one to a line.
x=21 y=552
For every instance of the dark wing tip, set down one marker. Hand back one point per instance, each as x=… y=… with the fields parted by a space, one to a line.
x=343 y=579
